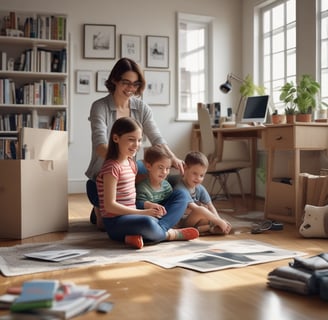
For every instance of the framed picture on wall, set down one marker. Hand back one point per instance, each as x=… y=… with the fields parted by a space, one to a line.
x=131 y=47
x=102 y=76
x=157 y=51
x=83 y=81
x=99 y=41
x=157 y=91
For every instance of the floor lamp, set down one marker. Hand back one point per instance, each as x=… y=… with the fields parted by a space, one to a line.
x=227 y=86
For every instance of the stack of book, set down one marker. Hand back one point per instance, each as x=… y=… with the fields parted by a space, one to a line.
x=51 y=298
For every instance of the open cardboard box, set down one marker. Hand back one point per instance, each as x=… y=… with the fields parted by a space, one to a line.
x=33 y=193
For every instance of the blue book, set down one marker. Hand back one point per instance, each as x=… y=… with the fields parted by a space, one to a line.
x=36 y=294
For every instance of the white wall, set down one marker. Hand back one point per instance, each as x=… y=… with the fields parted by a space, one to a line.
x=143 y=17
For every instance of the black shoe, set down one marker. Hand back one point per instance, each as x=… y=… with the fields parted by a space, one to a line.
x=93 y=217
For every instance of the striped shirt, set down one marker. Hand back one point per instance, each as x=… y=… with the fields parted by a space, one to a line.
x=125 y=190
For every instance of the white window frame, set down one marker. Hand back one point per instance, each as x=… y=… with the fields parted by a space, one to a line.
x=273 y=85
x=189 y=112
x=321 y=55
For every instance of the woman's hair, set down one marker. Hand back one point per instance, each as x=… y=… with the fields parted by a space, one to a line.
x=156 y=153
x=121 y=126
x=124 y=65
x=195 y=157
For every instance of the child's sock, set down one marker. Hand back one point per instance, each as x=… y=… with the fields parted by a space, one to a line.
x=183 y=234
x=134 y=241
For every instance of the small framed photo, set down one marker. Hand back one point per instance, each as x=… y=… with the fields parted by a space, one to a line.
x=157 y=51
x=83 y=81
x=131 y=47
x=99 y=41
x=102 y=76
x=157 y=91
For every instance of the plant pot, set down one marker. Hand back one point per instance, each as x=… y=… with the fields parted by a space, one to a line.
x=304 y=117
x=278 y=118
x=321 y=114
x=290 y=118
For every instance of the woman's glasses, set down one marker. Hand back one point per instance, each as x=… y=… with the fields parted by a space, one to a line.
x=128 y=83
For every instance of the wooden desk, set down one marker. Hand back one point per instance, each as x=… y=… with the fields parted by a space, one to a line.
x=292 y=149
x=252 y=133
x=283 y=200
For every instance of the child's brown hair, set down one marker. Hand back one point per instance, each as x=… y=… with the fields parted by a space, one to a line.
x=195 y=157
x=156 y=153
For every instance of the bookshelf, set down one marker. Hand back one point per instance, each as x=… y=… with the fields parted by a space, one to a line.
x=34 y=77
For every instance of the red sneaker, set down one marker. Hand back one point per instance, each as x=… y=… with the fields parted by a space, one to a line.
x=186 y=234
x=134 y=241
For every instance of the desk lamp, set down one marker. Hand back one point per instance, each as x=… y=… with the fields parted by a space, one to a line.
x=227 y=86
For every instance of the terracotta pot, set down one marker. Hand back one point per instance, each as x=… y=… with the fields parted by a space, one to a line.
x=304 y=117
x=278 y=118
x=290 y=118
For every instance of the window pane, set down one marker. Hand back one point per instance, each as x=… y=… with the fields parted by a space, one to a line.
x=290 y=11
x=278 y=16
x=291 y=62
x=266 y=22
x=324 y=28
x=324 y=5
x=291 y=38
x=192 y=62
x=267 y=46
x=324 y=53
x=324 y=84
x=267 y=68
x=324 y=50
x=278 y=64
x=278 y=42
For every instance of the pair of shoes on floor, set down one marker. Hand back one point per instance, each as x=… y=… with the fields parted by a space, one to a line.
x=266 y=225
x=135 y=241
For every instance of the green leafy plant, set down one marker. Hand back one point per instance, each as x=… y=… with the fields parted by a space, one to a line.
x=249 y=88
x=300 y=97
x=290 y=110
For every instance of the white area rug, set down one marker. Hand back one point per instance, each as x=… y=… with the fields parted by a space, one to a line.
x=103 y=251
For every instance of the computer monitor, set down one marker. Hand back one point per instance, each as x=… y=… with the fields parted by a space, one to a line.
x=255 y=109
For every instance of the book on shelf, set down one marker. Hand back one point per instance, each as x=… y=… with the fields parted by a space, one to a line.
x=3 y=60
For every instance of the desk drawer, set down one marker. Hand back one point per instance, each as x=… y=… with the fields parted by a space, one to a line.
x=279 y=137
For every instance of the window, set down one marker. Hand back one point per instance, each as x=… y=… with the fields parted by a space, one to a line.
x=323 y=52
x=193 y=35
x=278 y=38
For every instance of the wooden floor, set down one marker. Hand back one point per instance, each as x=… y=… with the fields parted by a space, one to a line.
x=145 y=291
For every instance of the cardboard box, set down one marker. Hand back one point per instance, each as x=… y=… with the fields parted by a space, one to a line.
x=33 y=193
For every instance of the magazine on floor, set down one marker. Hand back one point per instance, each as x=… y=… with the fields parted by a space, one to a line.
x=224 y=255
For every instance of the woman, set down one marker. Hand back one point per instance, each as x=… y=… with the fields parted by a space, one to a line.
x=125 y=84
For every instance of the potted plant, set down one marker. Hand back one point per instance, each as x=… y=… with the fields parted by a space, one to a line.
x=249 y=88
x=277 y=118
x=288 y=95
x=290 y=112
x=302 y=95
x=321 y=115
